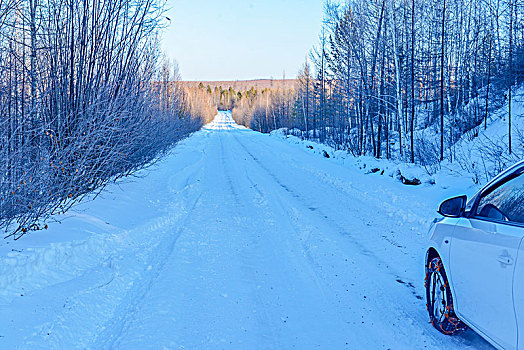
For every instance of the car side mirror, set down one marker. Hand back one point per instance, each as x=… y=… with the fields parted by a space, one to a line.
x=453 y=207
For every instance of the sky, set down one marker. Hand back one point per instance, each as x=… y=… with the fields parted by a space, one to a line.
x=241 y=39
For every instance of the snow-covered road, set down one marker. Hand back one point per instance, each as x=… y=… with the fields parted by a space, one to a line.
x=237 y=240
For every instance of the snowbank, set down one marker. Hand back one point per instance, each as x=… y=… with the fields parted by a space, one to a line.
x=409 y=174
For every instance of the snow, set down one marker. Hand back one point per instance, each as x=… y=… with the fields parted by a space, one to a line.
x=476 y=157
x=235 y=240
x=448 y=177
x=486 y=155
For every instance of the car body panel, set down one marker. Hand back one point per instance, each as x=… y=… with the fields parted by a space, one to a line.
x=518 y=294
x=440 y=234
x=482 y=263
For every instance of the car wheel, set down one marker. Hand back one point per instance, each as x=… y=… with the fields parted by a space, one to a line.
x=439 y=300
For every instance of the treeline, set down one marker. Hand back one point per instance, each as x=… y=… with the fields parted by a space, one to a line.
x=405 y=79
x=263 y=109
x=223 y=99
x=391 y=73
x=200 y=102
x=266 y=110
x=85 y=98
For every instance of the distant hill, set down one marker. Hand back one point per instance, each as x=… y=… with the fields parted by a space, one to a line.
x=258 y=84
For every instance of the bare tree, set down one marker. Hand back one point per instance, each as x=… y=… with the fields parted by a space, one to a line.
x=84 y=101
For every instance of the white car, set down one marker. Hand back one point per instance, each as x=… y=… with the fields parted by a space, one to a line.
x=475 y=263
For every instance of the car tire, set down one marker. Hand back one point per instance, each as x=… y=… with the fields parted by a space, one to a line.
x=439 y=300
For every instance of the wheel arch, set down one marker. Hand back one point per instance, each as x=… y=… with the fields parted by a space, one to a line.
x=431 y=254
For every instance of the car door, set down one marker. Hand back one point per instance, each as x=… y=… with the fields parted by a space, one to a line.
x=483 y=255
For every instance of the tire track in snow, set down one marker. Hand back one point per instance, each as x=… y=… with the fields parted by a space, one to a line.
x=84 y=304
x=264 y=318
x=183 y=183
x=313 y=268
x=315 y=210
x=346 y=187
x=304 y=202
x=215 y=243
x=265 y=206
x=124 y=313
x=396 y=281
x=225 y=171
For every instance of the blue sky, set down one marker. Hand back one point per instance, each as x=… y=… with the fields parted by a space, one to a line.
x=236 y=40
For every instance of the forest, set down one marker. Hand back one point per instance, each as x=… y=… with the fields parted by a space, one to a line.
x=86 y=97
x=401 y=79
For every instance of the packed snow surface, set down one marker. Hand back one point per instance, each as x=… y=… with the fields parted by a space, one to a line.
x=236 y=240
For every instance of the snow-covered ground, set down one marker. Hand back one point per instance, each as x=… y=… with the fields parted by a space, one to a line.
x=237 y=240
x=477 y=156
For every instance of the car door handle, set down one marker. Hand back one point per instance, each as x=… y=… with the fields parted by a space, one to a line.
x=504 y=259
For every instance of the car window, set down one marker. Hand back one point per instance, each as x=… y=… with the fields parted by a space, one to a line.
x=504 y=203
